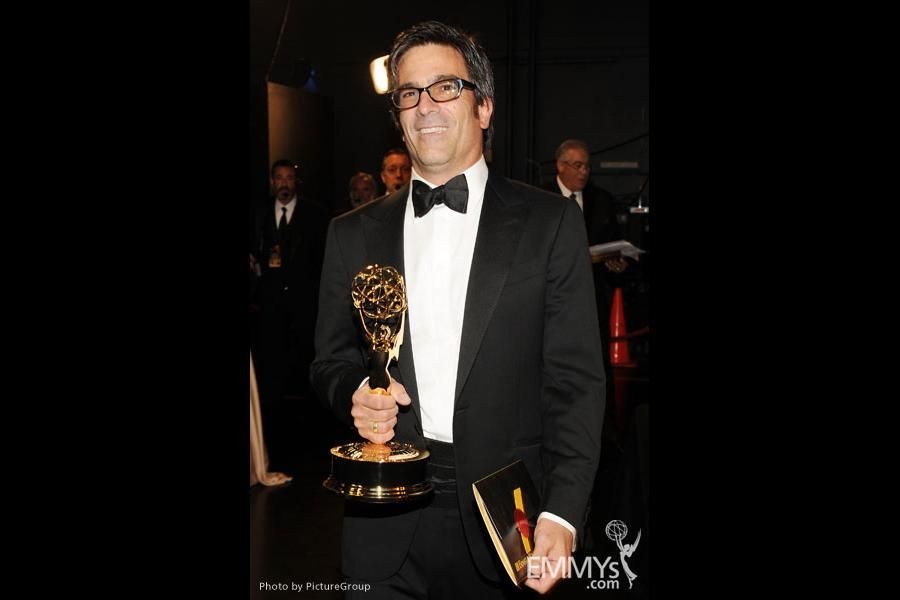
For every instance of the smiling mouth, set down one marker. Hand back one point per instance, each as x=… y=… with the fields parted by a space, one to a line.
x=431 y=130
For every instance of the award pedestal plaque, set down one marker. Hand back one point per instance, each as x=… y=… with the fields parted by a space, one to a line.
x=395 y=471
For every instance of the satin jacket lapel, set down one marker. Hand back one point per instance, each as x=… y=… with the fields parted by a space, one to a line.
x=499 y=230
x=383 y=231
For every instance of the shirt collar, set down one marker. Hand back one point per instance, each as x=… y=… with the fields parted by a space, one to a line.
x=476 y=176
x=565 y=191
x=476 y=181
x=289 y=206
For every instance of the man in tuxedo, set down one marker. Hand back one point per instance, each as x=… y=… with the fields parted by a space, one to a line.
x=287 y=245
x=395 y=170
x=501 y=359
x=573 y=180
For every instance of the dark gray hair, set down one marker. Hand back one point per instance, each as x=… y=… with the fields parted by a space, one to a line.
x=481 y=73
x=393 y=151
x=359 y=176
x=568 y=145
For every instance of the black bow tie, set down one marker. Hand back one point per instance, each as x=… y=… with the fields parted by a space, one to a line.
x=454 y=193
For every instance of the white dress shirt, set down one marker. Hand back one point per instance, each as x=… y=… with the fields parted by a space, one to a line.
x=290 y=210
x=438 y=249
x=579 y=198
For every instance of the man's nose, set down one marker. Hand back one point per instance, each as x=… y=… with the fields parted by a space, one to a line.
x=426 y=104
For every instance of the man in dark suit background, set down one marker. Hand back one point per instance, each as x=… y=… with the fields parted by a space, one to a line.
x=286 y=251
x=502 y=359
x=573 y=180
x=395 y=170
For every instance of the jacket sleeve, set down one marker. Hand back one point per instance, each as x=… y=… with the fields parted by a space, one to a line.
x=573 y=392
x=340 y=363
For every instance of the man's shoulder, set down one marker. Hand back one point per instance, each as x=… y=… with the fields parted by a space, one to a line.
x=595 y=192
x=378 y=209
x=527 y=192
x=551 y=186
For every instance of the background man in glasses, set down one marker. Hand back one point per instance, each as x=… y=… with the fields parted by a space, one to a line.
x=396 y=170
x=573 y=180
x=502 y=358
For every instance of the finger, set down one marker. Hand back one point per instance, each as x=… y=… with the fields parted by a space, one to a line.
x=539 y=555
x=387 y=426
x=402 y=398
x=552 y=571
x=384 y=438
x=372 y=401
x=377 y=401
x=373 y=431
x=550 y=549
x=541 y=586
x=368 y=414
x=398 y=392
x=378 y=431
x=382 y=427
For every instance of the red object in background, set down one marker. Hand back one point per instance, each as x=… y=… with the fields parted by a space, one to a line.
x=618 y=346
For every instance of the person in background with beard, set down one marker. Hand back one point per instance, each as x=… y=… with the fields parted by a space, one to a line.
x=286 y=255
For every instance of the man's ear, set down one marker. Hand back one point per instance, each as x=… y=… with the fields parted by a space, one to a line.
x=484 y=113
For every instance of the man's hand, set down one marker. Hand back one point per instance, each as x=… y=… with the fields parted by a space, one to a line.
x=616 y=265
x=553 y=541
x=374 y=415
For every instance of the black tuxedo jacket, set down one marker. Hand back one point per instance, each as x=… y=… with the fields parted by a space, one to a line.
x=530 y=382
x=302 y=244
x=601 y=226
x=599 y=213
x=287 y=296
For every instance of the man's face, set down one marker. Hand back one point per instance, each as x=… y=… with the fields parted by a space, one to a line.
x=284 y=182
x=395 y=172
x=443 y=138
x=574 y=168
x=362 y=191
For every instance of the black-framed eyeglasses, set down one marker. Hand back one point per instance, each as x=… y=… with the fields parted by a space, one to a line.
x=578 y=166
x=439 y=91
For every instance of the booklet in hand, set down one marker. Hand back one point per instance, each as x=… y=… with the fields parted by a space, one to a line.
x=615 y=249
x=508 y=501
